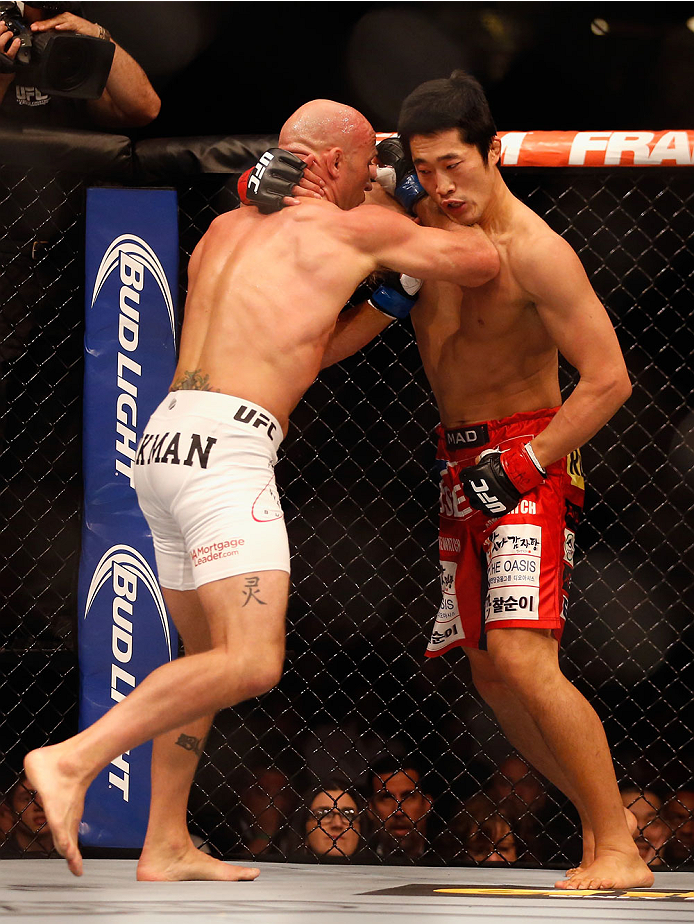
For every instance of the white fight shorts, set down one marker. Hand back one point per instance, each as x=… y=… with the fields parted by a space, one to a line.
x=204 y=476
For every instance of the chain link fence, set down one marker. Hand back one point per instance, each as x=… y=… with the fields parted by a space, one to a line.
x=358 y=701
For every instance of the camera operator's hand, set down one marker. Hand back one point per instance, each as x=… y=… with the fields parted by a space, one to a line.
x=68 y=22
x=10 y=47
x=129 y=99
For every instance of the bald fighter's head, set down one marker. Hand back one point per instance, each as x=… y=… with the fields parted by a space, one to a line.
x=343 y=143
x=323 y=123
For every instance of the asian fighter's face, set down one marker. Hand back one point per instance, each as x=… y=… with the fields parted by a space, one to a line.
x=455 y=175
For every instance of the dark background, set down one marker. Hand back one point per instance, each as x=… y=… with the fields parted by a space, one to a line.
x=234 y=68
x=357 y=474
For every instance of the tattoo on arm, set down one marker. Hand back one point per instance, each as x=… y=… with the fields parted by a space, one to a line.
x=188 y=743
x=192 y=381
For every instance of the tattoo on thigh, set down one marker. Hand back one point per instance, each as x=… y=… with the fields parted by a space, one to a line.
x=252 y=591
x=192 y=380
x=188 y=743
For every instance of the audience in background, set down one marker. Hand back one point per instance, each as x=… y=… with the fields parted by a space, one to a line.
x=478 y=834
x=506 y=823
x=516 y=788
x=678 y=815
x=485 y=834
x=266 y=807
x=24 y=826
x=544 y=823
x=399 y=809
x=329 y=824
x=651 y=833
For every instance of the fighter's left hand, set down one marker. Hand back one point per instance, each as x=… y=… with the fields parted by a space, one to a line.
x=499 y=479
x=280 y=178
x=67 y=22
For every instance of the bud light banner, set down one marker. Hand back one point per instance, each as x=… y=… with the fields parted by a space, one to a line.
x=130 y=356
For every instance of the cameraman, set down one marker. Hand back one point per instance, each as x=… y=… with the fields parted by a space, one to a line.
x=128 y=100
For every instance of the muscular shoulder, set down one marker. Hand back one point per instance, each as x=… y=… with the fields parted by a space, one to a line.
x=539 y=258
x=225 y=227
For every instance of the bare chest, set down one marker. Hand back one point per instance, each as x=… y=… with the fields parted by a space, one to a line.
x=495 y=318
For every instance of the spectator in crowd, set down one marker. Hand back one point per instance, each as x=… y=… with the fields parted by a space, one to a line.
x=328 y=826
x=27 y=834
x=678 y=815
x=266 y=806
x=485 y=834
x=6 y=819
x=517 y=789
x=478 y=833
x=399 y=808
x=542 y=832
x=128 y=101
x=651 y=833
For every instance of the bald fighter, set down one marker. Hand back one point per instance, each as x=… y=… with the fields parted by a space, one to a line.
x=264 y=294
x=512 y=484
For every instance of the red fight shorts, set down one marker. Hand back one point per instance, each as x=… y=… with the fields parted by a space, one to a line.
x=513 y=571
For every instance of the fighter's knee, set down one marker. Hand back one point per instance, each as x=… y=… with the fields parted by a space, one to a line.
x=489 y=689
x=522 y=657
x=262 y=672
x=510 y=663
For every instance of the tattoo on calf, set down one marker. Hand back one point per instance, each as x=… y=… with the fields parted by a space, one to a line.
x=188 y=743
x=193 y=381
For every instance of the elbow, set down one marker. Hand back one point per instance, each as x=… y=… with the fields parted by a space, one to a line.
x=617 y=389
x=144 y=112
x=147 y=112
x=623 y=388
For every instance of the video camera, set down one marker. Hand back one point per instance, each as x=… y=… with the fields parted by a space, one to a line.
x=58 y=63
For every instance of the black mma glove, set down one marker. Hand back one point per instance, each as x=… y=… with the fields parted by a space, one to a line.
x=408 y=190
x=498 y=481
x=397 y=296
x=273 y=177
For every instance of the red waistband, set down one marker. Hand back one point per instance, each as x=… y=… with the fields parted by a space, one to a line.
x=464 y=443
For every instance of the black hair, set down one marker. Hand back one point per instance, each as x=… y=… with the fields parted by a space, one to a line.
x=455 y=102
x=388 y=766
x=295 y=844
x=334 y=783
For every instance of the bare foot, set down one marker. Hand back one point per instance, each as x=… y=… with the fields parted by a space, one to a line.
x=611 y=871
x=588 y=854
x=589 y=844
x=61 y=793
x=190 y=863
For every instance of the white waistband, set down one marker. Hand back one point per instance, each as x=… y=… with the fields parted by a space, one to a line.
x=222 y=407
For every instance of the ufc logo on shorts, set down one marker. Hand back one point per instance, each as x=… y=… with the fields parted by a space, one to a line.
x=255 y=177
x=246 y=415
x=490 y=500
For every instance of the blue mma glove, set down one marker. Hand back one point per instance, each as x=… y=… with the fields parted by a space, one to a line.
x=397 y=297
x=408 y=189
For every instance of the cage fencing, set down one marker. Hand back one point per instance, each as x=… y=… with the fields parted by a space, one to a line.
x=360 y=491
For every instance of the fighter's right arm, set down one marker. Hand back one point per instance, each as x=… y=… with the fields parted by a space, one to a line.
x=467 y=258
